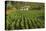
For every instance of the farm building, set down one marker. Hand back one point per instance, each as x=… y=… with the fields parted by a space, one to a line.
x=25 y=8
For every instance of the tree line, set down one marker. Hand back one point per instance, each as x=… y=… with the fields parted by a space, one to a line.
x=18 y=4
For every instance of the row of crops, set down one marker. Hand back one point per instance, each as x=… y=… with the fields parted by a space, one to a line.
x=23 y=22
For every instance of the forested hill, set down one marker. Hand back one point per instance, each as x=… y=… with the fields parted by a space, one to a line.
x=18 y=4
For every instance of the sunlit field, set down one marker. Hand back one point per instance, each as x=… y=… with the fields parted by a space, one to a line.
x=21 y=17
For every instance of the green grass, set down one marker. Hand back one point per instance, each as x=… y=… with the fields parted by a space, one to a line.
x=25 y=20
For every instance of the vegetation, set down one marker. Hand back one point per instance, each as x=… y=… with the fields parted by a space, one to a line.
x=18 y=19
